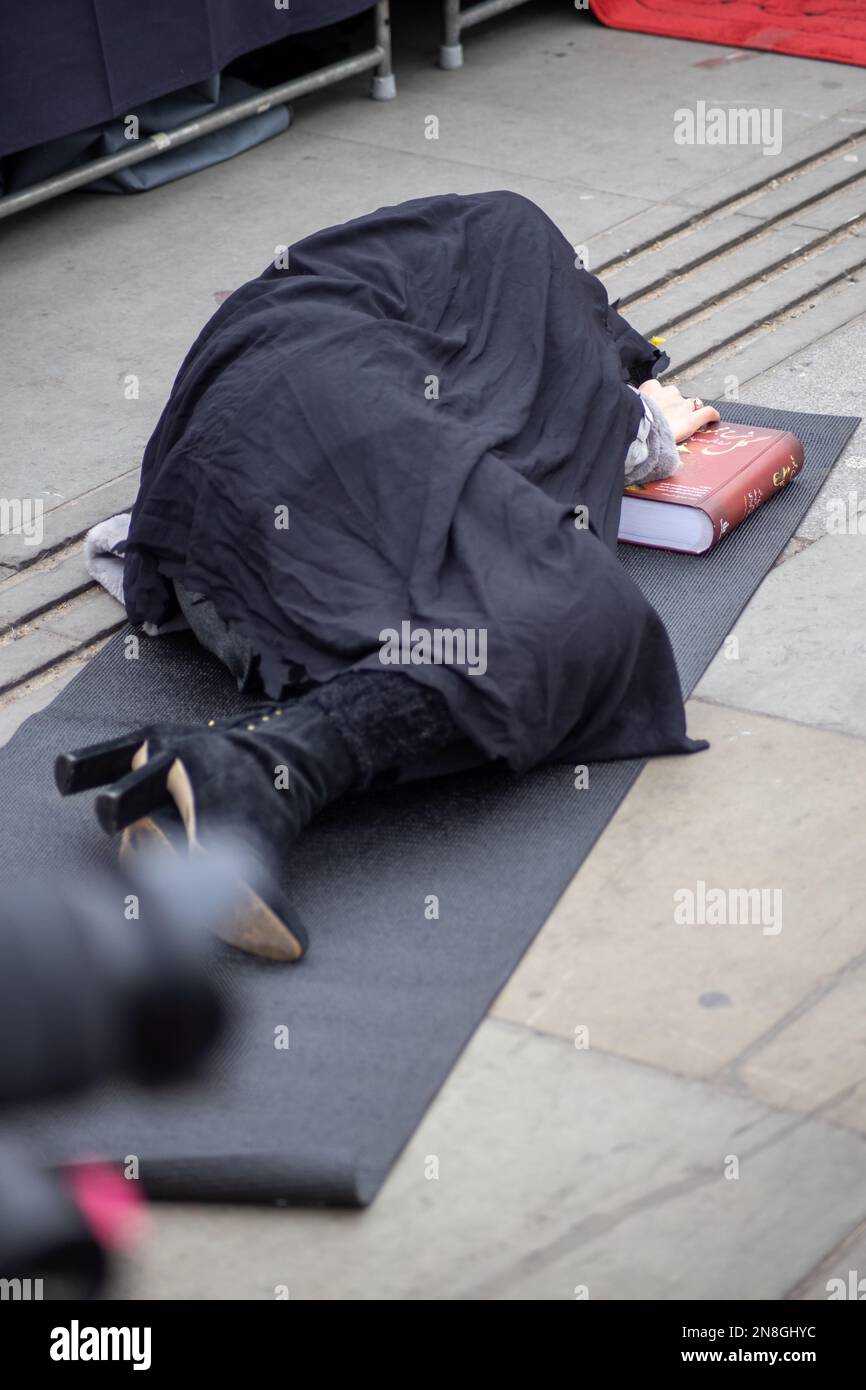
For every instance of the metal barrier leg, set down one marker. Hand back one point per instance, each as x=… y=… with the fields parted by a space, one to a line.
x=384 y=86
x=456 y=20
x=451 y=49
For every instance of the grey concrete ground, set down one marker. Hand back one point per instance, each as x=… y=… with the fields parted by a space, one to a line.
x=711 y=1139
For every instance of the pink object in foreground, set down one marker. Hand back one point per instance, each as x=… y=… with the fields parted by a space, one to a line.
x=110 y=1204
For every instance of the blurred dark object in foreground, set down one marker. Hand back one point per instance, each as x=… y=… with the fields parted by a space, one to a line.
x=100 y=977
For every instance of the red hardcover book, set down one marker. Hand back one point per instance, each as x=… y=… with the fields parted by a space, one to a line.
x=726 y=472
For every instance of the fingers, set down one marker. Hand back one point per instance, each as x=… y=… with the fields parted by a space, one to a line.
x=685 y=414
x=699 y=418
x=673 y=399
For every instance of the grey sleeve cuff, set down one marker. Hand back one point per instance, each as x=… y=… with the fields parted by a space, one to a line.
x=653 y=454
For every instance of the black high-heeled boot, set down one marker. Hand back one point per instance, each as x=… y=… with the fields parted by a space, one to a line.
x=259 y=780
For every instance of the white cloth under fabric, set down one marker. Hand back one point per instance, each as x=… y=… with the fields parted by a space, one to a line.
x=653 y=454
x=106 y=567
x=102 y=564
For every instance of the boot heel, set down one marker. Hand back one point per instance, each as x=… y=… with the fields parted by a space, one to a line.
x=266 y=925
x=86 y=768
x=137 y=795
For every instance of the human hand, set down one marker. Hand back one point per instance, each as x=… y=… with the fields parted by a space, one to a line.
x=685 y=415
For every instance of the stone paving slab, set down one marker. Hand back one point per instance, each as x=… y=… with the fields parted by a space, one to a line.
x=836 y=210
x=826 y=131
x=33 y=590
x=842 y=1275
x=711 y=281
x=764 y=300
x=771 y=805
x=814 y=187
x=663 y=218
x=820 y=373
x=26 y=654
x=64 y=523
x=75 y=623
x=572 y=128
x=33 y=695
x=645 y=227
x=673 y=257
x=617 y=93
x=776 y=344
x=557 y=1170
x=802 y=640
x=86 y=619
x=818 y=1060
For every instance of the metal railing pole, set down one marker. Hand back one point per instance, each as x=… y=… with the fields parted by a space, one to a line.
x=384 y=87
x=456 y=20
x=451 y=49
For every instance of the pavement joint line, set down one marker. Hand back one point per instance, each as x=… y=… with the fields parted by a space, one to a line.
x=766 y=223
x=56 y=659
x=37 y=680
x=829 y=1260
x=600 y=1223
x=703 y=216
x=36 y=671
x=761 y=331
x=789 y=260
x=106 y=482
x=51 y=551
x=816 y=343
x=713 y=1081
x=730 y=1073
x=58 y=606
x=508 y=174
x=776 y=718
x=751 y=237
x=43 y=609
x=43 y=564
x=768 y=323
x=796 y=545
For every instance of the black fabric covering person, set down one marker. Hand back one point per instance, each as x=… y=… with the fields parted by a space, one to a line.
x=426 y=395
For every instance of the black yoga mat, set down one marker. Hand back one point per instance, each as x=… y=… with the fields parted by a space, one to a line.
x=387 y=997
